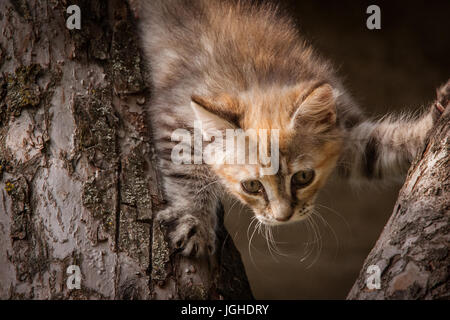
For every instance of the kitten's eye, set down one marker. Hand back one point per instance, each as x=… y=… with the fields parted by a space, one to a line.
x=302 y=178
x=252 y=186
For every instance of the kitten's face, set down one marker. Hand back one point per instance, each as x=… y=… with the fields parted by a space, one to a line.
x=288 y=195
x=308 y=148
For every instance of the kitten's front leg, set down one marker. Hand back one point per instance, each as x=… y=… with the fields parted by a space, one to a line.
x=190 y=218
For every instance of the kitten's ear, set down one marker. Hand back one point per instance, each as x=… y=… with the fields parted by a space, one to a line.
x=317 y=109
x=215 y=114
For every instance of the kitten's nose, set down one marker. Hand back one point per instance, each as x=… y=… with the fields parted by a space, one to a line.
x=283 y=218
x=282 y=211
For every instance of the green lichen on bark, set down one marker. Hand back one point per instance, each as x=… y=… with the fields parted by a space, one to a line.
x=3 y=165
x=30 y=252
x=85 y=294
x=96 y=128
x=35 y=257
x=17 y=189
x=136 y=207
x=99 y=197
x=3 y=107
x=134 y=237
x=96 y=139
x=126 y=59
x=135 y=189
x=21 y=7
x=194 y=292
x=2 y=55
x=20 y=91
x=95 y=198
x=160 y=254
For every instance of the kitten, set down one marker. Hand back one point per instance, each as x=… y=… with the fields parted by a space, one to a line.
x=231 y=64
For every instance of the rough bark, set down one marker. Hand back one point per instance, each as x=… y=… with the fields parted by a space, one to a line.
x=78 y=184
x=413 y=249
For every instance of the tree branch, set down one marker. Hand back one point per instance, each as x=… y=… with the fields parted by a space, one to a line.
x=412 y=251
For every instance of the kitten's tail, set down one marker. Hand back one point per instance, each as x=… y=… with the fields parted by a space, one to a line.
x=385 y=149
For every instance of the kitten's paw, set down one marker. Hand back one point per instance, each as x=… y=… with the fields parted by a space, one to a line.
x=442 y=102
x=190 y=236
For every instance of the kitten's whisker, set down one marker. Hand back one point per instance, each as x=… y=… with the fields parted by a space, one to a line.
x=204 y=187
x=275 y=243
x=223 y=244
x=230 y=209
x=250 y=244
x=308 y=250
x=318 y=240
x=328 y=225
x=269 y=244
x=252 y=219
x=337 y=214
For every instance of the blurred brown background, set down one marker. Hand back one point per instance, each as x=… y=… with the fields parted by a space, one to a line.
x=393 y=69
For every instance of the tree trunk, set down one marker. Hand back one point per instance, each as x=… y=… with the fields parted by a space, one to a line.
x=78 y=184
x=412 y=252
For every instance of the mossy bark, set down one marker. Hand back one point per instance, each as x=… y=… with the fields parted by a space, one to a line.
x=78 y=182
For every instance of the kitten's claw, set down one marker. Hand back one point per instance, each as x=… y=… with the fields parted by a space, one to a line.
x=443 y=98
x=189 y=236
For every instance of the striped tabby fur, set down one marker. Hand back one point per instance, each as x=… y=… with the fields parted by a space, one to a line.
x=239 y=65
